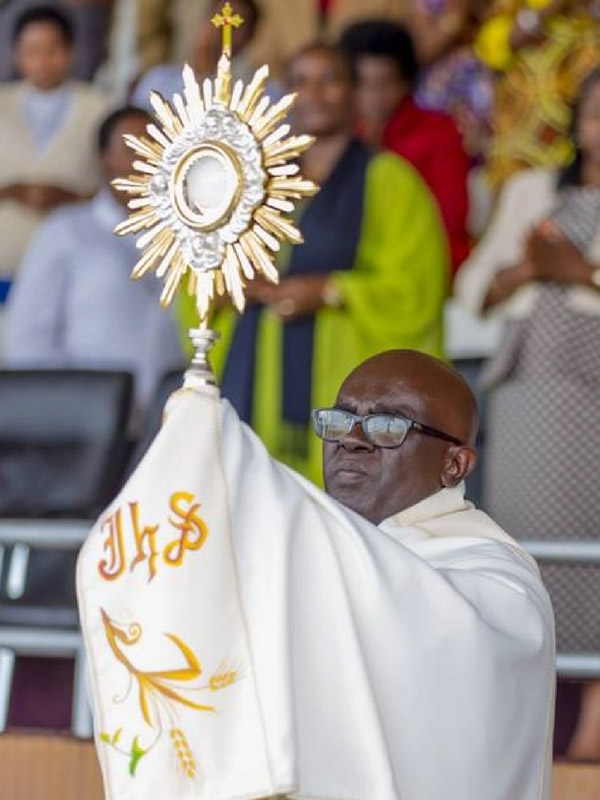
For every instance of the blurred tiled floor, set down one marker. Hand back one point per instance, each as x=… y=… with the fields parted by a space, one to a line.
x=58 y=768
x=48 y=768
x=576 y=782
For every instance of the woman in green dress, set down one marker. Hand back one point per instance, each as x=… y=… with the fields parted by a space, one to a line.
x=371 y=275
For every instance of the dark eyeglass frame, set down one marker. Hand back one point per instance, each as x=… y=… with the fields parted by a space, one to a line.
x=412 y=424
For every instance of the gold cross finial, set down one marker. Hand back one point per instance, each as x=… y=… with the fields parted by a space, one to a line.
x=227 y=20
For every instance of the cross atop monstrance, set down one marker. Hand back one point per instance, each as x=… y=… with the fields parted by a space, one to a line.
x=227 y=20
x=216 y=179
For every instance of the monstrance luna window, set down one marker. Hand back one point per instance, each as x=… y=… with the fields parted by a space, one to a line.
x=217 y=176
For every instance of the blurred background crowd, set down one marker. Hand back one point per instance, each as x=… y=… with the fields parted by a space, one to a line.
x=457 y=146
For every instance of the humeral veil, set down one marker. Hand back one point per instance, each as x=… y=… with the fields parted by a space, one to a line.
x=249 y=637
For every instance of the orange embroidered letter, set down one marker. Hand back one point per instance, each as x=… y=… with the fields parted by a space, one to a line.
x=114 y=565
x=149 y=534
x=192 y=527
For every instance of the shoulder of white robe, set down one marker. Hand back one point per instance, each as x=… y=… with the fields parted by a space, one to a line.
x=447 y=514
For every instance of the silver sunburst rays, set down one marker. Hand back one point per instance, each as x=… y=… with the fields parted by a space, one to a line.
x=215 y=180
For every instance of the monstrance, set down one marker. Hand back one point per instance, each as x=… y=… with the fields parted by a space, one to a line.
x=216 y=178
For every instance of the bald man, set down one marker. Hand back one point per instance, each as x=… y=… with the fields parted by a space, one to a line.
x=383 y=641
x=428 y=418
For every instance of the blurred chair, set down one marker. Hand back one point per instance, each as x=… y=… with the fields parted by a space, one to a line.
x=62 y=455
x=577 y=637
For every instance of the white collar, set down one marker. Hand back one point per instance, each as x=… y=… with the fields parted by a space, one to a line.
x=413 y=524
x=447 y=514
x=446 y=501
x=47 y=96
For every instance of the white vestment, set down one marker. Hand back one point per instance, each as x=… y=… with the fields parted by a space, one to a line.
x=277 y=643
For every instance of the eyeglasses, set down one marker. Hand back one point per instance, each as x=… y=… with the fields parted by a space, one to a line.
x=381 y=430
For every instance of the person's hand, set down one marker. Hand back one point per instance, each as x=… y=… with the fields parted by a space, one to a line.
x=43 y=198
x=548 y=256
x=507 y=281
x=260 y=291
x=553 y=257
x=298 y=297
x=38 y=197
x=15 y=192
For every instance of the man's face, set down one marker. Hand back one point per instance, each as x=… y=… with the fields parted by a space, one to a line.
x=376 y=482
x=380 y=88
x=42 y=56
x=117 y=159
x=326 y=95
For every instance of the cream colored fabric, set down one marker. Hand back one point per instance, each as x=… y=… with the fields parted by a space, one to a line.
x=448 y=514
x=70 y=161
x=285 y=26
x=340 y=661
x=288 y=26
x=527 y=199
x=186 y=20
x=154 y=28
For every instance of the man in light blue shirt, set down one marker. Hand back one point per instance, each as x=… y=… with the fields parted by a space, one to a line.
x=74 y=303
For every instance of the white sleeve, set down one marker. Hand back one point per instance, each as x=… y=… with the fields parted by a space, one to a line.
x=521 y=204
x=453 y=653
x=35 y=310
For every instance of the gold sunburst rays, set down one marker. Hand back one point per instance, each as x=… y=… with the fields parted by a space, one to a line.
x=215 y=182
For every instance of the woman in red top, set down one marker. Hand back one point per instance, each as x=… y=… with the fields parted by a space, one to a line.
x=389 y=117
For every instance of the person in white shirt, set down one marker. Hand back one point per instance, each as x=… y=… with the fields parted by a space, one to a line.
x=48 y=127
x=74 y=303
x=91 y=20
x=385 y=642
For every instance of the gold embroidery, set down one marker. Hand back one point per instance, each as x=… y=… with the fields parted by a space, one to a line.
x=150 y=682
x=183 y=752
x=113 y=568
x=146 y=534
x=193 y=529
x=192 y=533
x=223 y=677
x=158 y=696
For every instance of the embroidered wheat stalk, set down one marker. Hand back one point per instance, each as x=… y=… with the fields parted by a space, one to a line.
x=184 y=753
x=222 y=678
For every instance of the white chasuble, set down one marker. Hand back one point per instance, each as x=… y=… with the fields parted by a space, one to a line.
x=249 y=637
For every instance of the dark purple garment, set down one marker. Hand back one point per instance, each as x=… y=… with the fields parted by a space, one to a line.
x=41 y=694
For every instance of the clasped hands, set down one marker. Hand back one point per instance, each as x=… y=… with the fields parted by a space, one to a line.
x=38 y=197
x=550 y=256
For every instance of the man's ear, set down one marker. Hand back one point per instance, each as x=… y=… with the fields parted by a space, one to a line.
x=459 y=463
